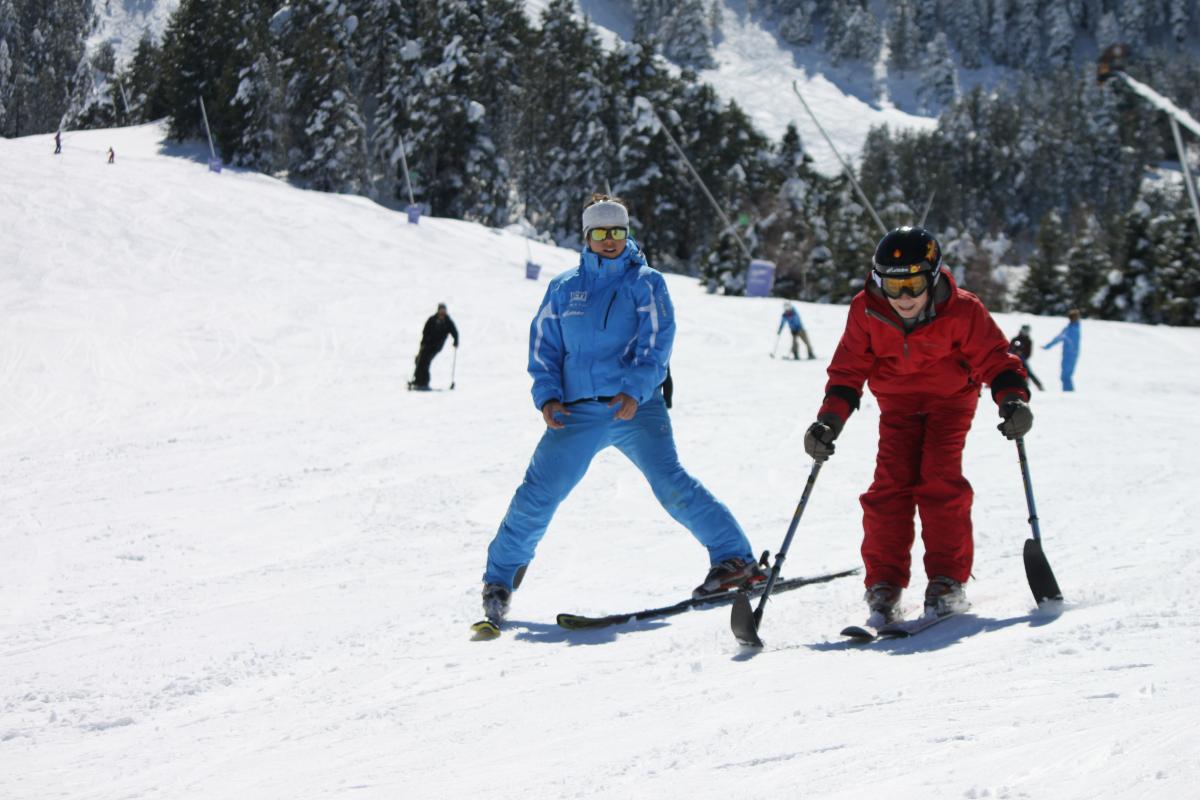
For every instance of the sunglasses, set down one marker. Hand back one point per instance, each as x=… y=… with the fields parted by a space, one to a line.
x=913 y=285
x=600 y=234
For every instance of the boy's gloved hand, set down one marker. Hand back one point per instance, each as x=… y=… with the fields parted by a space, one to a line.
x=818 y=439
x=1018 y=418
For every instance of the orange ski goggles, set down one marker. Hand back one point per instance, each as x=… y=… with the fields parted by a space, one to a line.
x=913 y=285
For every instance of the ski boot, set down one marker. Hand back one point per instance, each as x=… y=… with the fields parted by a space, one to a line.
x=884 y=601
x=945 y=596
x=732 y=573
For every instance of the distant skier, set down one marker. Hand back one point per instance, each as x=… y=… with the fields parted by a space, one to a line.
x=57 y=142
x=925 y=347
x=112 y=157
x=600 y=341
x=1069 y=338
x=1021 y=346
x=433 y=339
x=791 y=318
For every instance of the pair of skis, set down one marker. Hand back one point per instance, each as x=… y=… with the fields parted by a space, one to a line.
x=487 y=629
x=897 y=629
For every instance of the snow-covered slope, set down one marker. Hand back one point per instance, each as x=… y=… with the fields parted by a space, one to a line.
x=238 y=559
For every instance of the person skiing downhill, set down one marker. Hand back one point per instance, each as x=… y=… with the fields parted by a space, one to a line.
x=924 y=347
x=433 y=339
x=1021 y=346
x=599 y=346
x=791 y=318
x=1069 y=338
x=57 y=142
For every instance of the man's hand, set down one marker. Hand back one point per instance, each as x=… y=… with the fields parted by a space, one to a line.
x=1018 y=419
x=628 y=408
x=818 y=439
x=551 y=408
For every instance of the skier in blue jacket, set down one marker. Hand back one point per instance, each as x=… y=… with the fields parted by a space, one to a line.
x=1069 y=338
x=791 y=318
x=598 y=353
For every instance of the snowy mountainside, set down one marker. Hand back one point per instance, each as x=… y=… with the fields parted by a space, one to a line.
x=753 y=67
x=122 y=23
x=239 y=559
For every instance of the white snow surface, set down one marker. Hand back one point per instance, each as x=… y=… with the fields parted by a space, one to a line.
x=239 y=560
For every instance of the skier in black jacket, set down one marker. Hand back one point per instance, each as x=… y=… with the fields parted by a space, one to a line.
x=1022 y=347
x=433 y=338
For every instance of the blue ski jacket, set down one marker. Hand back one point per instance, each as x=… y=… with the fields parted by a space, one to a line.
x=603 y=328
x=791 y=318
x=1069 y=337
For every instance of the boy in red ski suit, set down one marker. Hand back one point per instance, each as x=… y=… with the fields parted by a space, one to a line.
x=925 y=348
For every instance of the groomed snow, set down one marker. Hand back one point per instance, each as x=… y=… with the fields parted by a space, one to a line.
x=239 y=560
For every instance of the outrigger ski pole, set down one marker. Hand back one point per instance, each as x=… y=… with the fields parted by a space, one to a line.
x=744 y=621
x=1037 y=568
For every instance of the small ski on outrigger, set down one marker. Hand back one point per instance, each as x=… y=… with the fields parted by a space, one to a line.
x=896 y=629
x=578 y=622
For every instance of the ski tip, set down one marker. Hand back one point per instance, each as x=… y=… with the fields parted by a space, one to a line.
x=858 y=634
x=484 y=630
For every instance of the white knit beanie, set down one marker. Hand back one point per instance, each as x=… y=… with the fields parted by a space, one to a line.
x=605 y=214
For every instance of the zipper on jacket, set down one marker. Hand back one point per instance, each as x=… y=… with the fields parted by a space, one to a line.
x=882 y=318
x=608 y=310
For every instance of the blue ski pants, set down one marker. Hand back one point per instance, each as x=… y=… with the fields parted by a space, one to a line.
x=560 y=461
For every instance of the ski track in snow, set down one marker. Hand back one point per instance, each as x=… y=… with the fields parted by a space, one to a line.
x=239 y=560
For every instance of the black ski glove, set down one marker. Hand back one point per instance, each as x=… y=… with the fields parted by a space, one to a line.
x=818 y=439
x=1018 y=419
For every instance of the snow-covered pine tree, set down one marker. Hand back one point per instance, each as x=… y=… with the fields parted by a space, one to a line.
x=1175 y=249
x=196 y=51
x=903 y=37
x=572 y=96
x=96 y=101
x=142 y=81
x=860 y=37
x=1046 y=289
x=1060 y=35
x=497 y=78
x=685 y=35
x=1179 y=17
x=6 y=85
x=328 y=134
x=998 y=32
x=939 y=76
x=1025 y=46
x=649 y=173
x=1089 y=262
x=796 y=24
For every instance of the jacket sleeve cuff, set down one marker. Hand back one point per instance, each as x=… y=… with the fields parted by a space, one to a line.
x=1007 y=385
x=840 y=401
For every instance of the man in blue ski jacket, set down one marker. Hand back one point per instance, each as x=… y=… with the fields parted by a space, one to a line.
x=1069 y=339
x=598 y=353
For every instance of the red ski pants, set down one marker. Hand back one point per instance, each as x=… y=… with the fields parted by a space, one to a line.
x=919 y=469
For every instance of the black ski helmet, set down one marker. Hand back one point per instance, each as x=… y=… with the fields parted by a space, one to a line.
x=908 y=250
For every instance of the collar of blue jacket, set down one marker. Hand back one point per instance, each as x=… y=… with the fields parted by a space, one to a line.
x=600 y=271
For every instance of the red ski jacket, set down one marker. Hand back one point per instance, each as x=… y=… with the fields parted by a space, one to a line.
x=953 y=350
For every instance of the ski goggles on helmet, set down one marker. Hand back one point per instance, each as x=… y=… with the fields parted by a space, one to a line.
x=600 y=234
x=896 y=286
